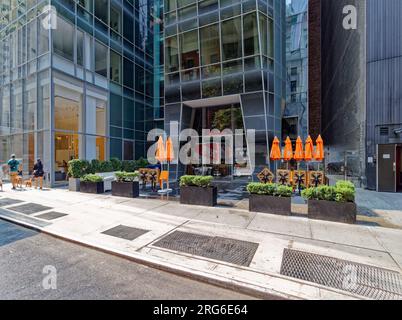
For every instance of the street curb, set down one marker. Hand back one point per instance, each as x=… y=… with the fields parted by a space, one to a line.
x=222 y=283
x=216 y=280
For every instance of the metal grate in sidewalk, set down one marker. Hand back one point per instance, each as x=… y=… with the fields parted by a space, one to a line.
x=364 y=280
x=217 y=248
x=29 y=208
x=125 y=232
x=8 y=202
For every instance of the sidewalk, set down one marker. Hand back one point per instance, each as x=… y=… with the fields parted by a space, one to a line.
x=229 y=247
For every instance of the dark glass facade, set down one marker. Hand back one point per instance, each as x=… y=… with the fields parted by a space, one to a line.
x=83 y=89
x=228 y=55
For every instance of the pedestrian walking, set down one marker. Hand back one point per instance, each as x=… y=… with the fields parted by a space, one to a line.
x=13 y=165
x=38 y=174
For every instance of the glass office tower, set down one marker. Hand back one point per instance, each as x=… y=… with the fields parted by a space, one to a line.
x=225 y=69
x=80 y=88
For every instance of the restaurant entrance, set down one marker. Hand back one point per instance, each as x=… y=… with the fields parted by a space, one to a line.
x=216 y=157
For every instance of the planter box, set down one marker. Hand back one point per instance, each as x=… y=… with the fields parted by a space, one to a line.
x=126 y=189
x=74 y=184
x=92 y=187
x=270 y=204
x=199 y=196
x=332 y=211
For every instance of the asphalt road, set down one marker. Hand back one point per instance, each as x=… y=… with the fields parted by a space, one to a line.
x=27 y=258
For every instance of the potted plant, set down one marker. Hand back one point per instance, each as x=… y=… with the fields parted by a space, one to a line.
x=197 y=190
x=126 y=185
x=270 y=198
x=76 y=170
x=92 y=183
x=332 y=203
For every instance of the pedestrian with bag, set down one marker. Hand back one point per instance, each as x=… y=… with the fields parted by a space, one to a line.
x=13 y=165
x=38 y=173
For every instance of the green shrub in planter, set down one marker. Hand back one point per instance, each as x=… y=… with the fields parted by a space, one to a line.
x=334 y=203
x=128 y=166
x=270 y=189
x=116 y=164
x=197 y=181
x=270 y=198
x=283 y=191
x=95 y=166
x=78 y=168
x=141 y=163
x=198 y=190
x=92 y=178
x=105 y=166
x=122 y=176
x=345 y=184
x=342 y=192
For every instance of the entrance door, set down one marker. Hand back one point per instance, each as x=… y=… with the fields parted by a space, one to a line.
x=399 y=168
x=386 y=170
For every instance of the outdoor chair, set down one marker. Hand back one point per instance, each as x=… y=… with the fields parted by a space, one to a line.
x=284 y=177
x=266 y=176
x=153 y=178
x=316 y=178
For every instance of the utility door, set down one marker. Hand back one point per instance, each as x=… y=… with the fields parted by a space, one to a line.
x=386 y=168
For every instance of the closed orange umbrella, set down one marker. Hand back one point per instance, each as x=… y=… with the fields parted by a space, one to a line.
x=169 y=150
x=319 y=150
x=309 y=149
x=299 y=154
x=288 y=151
x=275 y=150
x=160 y=150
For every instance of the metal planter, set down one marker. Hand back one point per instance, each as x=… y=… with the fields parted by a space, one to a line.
x=270 y=204
x=199 y=196
x=92 y=187
x=332 y=211
x=126 y=189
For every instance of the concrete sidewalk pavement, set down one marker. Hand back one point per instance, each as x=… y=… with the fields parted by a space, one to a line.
x=189 y=240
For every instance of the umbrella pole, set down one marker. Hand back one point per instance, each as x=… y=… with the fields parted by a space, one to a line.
x=167 y=182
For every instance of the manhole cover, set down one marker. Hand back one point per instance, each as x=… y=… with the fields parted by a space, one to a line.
x=217 y=248
x=124 y=232
x=29 y=208
x=7 y=202
x=51 y=215
x=368 y=281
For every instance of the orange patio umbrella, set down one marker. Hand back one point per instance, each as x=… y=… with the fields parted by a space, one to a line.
x=309 y=149
x=288 y=151
x=169 y=150
x=160 y=150
x=275 y=150
x=319 y=150
x=169 y=157
x=299 y=153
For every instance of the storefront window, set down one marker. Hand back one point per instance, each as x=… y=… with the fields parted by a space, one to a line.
x=66 y=149
x=67 y=109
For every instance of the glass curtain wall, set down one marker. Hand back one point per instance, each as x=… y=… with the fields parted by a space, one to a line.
x=24 y=85
x=217 y=48
x=114 y=42
x=214 y=44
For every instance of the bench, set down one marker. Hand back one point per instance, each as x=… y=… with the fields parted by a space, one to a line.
x=108 y=178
